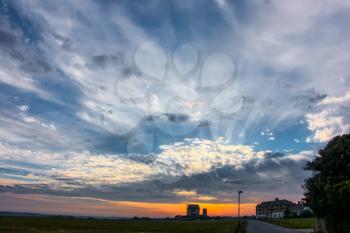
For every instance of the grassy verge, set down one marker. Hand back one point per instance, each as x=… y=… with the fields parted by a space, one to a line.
x=242 y=227
x=55 y=225
x=295 y=223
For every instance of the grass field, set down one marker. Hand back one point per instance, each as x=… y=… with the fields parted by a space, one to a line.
x=296 y=223
x=54 y=225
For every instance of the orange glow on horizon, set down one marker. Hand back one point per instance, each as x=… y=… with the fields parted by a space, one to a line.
x=172 y=209
x=101 y=207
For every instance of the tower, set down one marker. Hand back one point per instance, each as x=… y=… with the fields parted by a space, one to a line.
x=205 y=213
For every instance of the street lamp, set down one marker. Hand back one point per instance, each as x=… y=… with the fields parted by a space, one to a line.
x=239 y=206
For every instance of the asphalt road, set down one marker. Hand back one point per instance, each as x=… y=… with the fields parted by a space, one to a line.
x=263 y=227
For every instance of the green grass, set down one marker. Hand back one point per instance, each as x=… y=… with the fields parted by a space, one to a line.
x=55 y=225
x=295 y=223
x=242 y=227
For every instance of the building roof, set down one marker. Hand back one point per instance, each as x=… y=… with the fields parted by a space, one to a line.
x=276 y=202
x=192 y=205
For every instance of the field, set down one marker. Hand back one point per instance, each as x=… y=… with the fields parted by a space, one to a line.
x=296 y=223
x=55 y=225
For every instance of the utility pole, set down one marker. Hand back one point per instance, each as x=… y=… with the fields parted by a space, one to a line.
x=239 y=206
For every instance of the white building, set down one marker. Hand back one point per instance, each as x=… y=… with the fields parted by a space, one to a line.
x=277 y=209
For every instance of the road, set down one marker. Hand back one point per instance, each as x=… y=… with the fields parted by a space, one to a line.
x=263 y=227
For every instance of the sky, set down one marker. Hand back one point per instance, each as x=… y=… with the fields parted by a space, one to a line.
x=124 y=108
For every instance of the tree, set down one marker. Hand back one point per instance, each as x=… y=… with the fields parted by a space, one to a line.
x=327 y=192
x=307 y=213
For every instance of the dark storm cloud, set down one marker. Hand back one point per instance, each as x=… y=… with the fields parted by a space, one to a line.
x=250 y=177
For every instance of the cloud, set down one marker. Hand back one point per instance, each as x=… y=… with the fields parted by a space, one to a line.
x=331 y=119
x=104 y=60
x=177 y=173
x=30 y=119
x=83 y=168
x=185 y=193
x=76 y=103
x=19 y=61
x=192 y=195
x=8 y=38
x=201 y=156
x=257 y=179
x=220 y=3
x=336 y=99
x=183 y=158
x=116 y=92
x=23 y=108
x=206 y=198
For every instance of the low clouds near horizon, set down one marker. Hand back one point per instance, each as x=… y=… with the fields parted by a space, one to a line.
x=197 y=170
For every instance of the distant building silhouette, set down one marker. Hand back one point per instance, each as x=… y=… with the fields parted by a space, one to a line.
x=278 y=209
x=205 y=213
x=193 y=210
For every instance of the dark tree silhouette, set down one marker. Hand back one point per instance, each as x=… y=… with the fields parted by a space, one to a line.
x=327 y=192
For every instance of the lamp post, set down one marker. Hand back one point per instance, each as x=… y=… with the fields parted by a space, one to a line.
x=239 y=206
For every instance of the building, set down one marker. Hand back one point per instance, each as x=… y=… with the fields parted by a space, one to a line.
x=193 y=210
x=205 y=213
x=277 y=209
